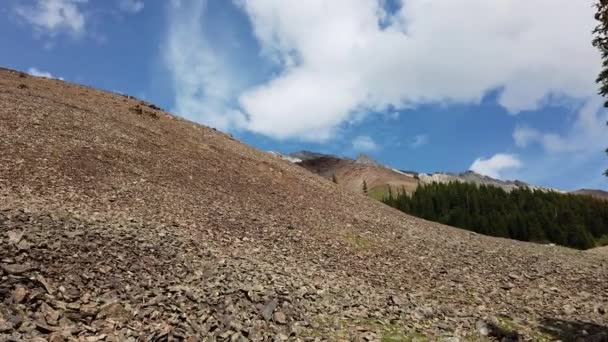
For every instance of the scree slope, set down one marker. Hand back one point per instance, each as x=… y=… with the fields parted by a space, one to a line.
x=121 y=222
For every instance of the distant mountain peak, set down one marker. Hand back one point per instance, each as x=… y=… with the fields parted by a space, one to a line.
x=366 y=160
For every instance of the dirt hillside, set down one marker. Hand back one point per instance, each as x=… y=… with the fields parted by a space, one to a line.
x=120 y=222
x=351 y=174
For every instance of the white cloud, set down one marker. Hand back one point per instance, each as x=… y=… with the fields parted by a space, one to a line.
x=337 y=62
x=587 y=134
x=53 y=16
x=364 y=143
x=393 y=115
x=203 y=84
x=524 y=135
x=131 y=6
x=336 y=59
x=493 y=166
x=419 y=140
x=35 y=72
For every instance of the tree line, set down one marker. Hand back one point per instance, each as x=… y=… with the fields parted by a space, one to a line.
x=523 y=214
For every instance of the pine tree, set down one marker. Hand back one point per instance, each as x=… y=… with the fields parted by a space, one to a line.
x=522 y=214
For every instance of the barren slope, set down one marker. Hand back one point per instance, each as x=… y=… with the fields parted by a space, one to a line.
x=351 y=174
x=137 y=224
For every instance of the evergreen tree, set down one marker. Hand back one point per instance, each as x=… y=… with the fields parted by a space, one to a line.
x=522 y=214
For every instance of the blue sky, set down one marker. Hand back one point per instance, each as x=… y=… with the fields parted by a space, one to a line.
x=425 y=85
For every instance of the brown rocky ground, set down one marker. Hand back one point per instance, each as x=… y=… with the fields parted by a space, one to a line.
x=120 y=222
x=599 y=250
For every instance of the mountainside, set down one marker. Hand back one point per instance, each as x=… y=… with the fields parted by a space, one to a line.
x=121 y=222
x=475 y=178
x=381 y=176
x=352 y=173
x=600 y=194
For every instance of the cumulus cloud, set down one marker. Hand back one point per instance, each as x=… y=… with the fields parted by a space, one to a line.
x=204 y=85
x=493 y=166
x=53 y=16
x=340 y=57
x=131 y=6
x=338 y=60
x=35 y=72
x=364 y=143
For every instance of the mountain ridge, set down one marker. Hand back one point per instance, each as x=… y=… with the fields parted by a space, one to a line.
x=468 y=176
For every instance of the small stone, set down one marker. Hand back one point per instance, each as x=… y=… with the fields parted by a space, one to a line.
x=60 y=336
x=16 y=268
x=5 y=326
x=44 y=283
x=599 y=309
x=74 y=233
x=23 y=245
x=568 y=309
x=19 y=294
x=115 y=312
x=73 y=306
x=443 y=326
x=514 y=276
x=14 y=236
x=370 y=336
x=427 y=312
x=238 y=337
x=269 y=309
x=396 y=300
x=45 y=328
x=50 y=316
x=482 y=328
x=507 y=286
x=450 y=339
x=280 y=317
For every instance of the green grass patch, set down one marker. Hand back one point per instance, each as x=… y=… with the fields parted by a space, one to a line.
x=379 y=192
x=358 y=241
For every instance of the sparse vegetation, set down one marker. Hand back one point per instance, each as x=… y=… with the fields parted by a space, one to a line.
x=523 y=214
x=358 y=241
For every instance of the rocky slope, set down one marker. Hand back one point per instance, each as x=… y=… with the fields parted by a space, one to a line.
x=120 y=222
x=601 y=194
